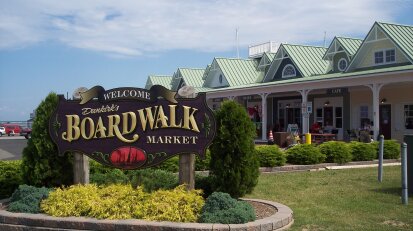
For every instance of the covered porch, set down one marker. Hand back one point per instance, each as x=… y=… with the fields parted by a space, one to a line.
x=342 y=106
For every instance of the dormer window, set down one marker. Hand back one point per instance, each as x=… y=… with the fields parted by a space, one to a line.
x=289 y=71
x=342 y=64
x=385 y=56
x=390 y=56
x=220 y=79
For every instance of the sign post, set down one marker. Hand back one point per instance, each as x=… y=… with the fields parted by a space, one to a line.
x=132 y=128
x=80 y=169
x=187 y=160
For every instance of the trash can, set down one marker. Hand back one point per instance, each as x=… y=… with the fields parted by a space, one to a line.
x=408 y=139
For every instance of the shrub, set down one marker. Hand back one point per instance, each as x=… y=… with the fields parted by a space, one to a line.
x=305 y=154
x=336 y=152
x=362 y=151
x=176 y=205
x=171 y=165
x=26 y=199
x=203 y=165
x=270 y=155
x=204 y=183
x=119 y=202
x=114 y=176
x=234 y=165
x=77 y=200
x=153 y=179
x=10 y=177
x=124 y=202
x=221 y=208
x=96 y=167
x=391 y=149
x=42 y=166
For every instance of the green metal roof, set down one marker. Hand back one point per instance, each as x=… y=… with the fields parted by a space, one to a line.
x=351 y=45
x=164 y=80
x=207 y=69
x=318 y=77
x=270 y=56
x=192 y=76
x=402 y=35
x=308 y=59
x=266 y=58
x=239 y=71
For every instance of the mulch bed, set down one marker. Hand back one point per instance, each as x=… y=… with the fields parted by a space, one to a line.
x=262 y=210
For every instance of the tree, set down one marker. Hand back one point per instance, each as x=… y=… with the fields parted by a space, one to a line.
x=234 y=164
x=42 y=166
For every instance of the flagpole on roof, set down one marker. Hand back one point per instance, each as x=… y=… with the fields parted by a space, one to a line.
x=236 y=37
x=325 y=33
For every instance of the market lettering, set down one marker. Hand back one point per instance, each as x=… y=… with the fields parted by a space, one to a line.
x=128 y=123
x=171 y=139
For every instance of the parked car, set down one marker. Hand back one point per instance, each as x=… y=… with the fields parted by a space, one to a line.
x=12 y=129
x=2 y=131
x=26 y=132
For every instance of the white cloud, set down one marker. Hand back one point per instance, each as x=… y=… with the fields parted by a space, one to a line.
x=132 y=28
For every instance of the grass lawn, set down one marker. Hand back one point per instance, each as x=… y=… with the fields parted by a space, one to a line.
x=349 y=199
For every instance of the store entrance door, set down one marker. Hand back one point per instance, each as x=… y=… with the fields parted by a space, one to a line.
x=385 y=121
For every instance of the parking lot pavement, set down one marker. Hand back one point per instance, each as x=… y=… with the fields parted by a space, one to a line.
x=11 y=147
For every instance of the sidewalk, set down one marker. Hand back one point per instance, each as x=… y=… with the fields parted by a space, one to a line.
x=328 y=166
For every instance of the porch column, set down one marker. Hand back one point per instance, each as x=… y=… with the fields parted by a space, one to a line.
x=306 y=116
x=375 y=87
x=264 y=115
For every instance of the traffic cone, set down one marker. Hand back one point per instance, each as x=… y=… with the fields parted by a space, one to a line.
x=270 y=138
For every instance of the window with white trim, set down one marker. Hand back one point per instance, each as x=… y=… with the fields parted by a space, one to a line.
x=364 y=116
x=408 y=116
x=289 y=71
x=390 y=56
x=342 y=64
x=385 y=56
x=220 y=79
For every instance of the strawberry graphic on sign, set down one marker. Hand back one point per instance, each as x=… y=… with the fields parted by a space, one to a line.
x=128 y=157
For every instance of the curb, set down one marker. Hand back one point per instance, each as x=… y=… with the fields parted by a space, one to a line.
x=328 y=166
x=281 y=220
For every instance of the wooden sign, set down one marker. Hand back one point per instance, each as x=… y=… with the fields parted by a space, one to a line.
x=132 y=128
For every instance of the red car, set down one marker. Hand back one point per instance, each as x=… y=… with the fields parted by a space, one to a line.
x=12 y=129
x=26 y=132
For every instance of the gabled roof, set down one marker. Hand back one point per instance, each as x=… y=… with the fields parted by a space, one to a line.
x=192 y=76
x=267 y=58
x=401 y=35
x=164 y=80
x=350 y=46
x=207 y=69
x=308 y=59
x=239 y=71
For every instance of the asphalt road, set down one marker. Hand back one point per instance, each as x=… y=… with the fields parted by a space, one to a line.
x=11 y=147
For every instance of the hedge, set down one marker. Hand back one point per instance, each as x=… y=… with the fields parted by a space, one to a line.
x=270 y=155
x=336 y=152
x=305 y=154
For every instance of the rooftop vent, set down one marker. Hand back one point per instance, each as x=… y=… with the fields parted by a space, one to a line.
x=256 y=51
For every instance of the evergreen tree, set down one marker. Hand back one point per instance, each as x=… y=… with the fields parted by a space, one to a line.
x=234 y=164
x=42 y=166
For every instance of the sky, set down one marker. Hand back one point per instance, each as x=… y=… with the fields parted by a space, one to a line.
x=57 y=46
